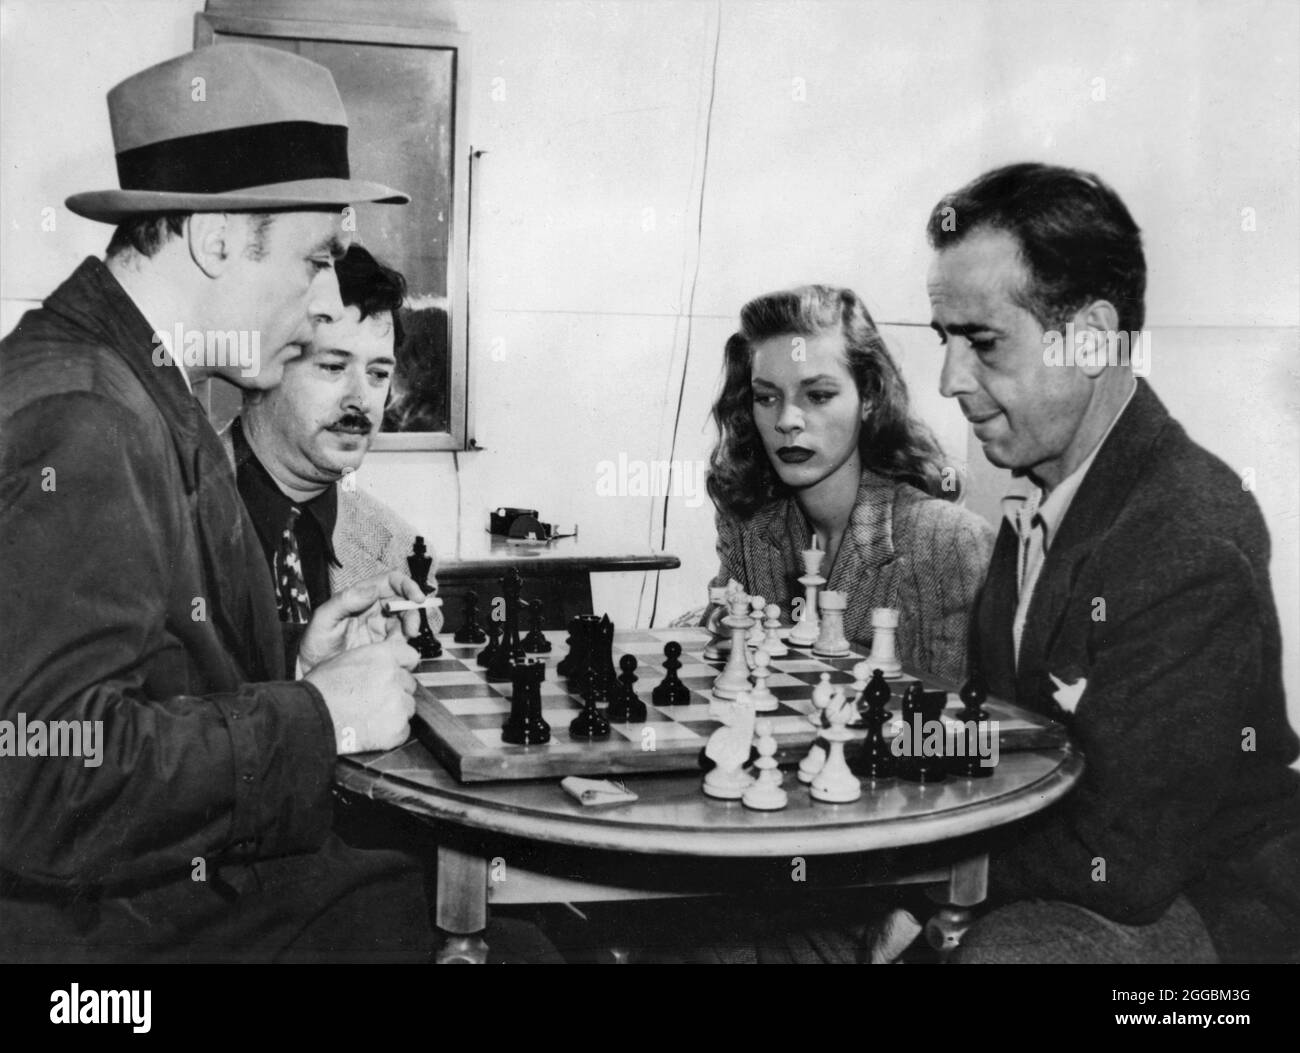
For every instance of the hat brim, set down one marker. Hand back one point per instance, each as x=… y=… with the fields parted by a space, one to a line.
x=115 y=206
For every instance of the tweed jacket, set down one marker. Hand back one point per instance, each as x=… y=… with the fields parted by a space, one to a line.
x=136 y=597
x=1154 y=600
x=369 y=538
x=902 y=549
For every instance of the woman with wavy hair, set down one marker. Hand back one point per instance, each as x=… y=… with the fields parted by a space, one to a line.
x=816 y=439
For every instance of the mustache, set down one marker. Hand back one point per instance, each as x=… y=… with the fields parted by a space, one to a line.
x=358 y=422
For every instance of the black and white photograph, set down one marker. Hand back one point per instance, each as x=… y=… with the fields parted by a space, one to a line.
x=651 y=482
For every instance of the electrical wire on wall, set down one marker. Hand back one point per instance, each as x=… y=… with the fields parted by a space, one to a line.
x=690 y=321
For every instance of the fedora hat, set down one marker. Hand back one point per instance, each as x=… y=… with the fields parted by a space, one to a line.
x=229 y=128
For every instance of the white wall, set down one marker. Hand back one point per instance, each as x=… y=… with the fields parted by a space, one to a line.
x=834 y=128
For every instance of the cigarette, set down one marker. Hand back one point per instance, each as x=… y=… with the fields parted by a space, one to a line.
x=398 y=606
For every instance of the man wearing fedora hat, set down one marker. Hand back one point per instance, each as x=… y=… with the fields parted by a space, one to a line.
x=195 y=823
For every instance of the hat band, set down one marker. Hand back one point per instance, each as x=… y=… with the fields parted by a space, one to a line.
x=237 y=158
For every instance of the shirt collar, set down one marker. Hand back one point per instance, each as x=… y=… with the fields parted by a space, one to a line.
x=1022 y=510
x=269 y=505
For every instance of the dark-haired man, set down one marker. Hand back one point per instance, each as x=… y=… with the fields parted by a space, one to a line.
x=1128 y=596
x=295 y=446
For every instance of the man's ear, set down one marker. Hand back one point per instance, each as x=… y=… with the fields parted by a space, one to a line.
x=212 y=241
x=1099 y=320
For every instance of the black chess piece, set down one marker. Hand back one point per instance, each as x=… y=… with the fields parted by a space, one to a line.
x=626 y=708
x=590 y=723
x=420 y=563
x=926 y=735
x=969 y=764
x=470 y=632
x=597 y=681
x=424 y=641
x=572 y=664
x=671 y=691
x=511 y=586
x=525 y=726
x=874 y=759
x=501 y=668
x=536 y=642
x=488 y=655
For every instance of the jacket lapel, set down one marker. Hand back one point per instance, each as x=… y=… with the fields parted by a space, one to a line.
x=1100 y=499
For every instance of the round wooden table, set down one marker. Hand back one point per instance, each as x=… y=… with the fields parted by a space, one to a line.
x=675 y=840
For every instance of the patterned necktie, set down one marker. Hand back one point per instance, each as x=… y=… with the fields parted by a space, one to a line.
x=290 y=586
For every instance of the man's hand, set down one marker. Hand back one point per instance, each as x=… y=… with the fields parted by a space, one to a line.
x=353 y=618
x=369 y=691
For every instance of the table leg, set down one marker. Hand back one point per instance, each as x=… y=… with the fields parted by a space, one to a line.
x=968 y=885
x=461 y=907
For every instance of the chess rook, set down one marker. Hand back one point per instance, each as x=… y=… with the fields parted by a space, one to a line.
x=831 y=642
x=884 y=642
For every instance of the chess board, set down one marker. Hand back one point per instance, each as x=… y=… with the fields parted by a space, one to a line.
x=459 y=713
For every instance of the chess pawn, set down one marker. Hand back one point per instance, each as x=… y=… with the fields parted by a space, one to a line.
x=671 y=691
x=831 y=642
x=884 y=642
x=470 y=632
x=806 y=629
x=757 y=605
x=766 y=794
x=973 y=715
x=772 y=642
x=761 y=695
x=718 y=647
x=626 y=708
x=536 y=642
x=835 y=783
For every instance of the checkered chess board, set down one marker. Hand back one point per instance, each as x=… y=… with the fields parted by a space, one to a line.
x=459 y=714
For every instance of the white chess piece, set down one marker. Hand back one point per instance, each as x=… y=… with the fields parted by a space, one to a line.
x=835 y=783
x=734 y=677
x=716 y=649
x=805 y=631
x=761 y=695
x=728 y=747
x=766 y=794
x=772 y=642
x=815 y=759
x=884 y=642
x=757 y=605
x=831 y=642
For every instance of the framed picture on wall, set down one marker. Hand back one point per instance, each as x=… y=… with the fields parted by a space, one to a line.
x=403 y=85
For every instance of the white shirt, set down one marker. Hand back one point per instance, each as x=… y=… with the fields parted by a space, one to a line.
x=1036 y=520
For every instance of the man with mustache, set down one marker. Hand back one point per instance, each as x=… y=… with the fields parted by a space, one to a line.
x=295 y=446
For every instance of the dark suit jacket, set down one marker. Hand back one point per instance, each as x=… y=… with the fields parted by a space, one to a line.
x=1156 y=591
x=902 y=549
x=136 y=595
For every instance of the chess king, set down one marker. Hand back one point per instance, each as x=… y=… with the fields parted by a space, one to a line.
x=296 y=445
x=137 y=593
x=1182 y=841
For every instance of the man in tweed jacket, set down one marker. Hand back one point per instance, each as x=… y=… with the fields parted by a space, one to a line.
x=902 y=549
x=1128 y=597
x=300 y=443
